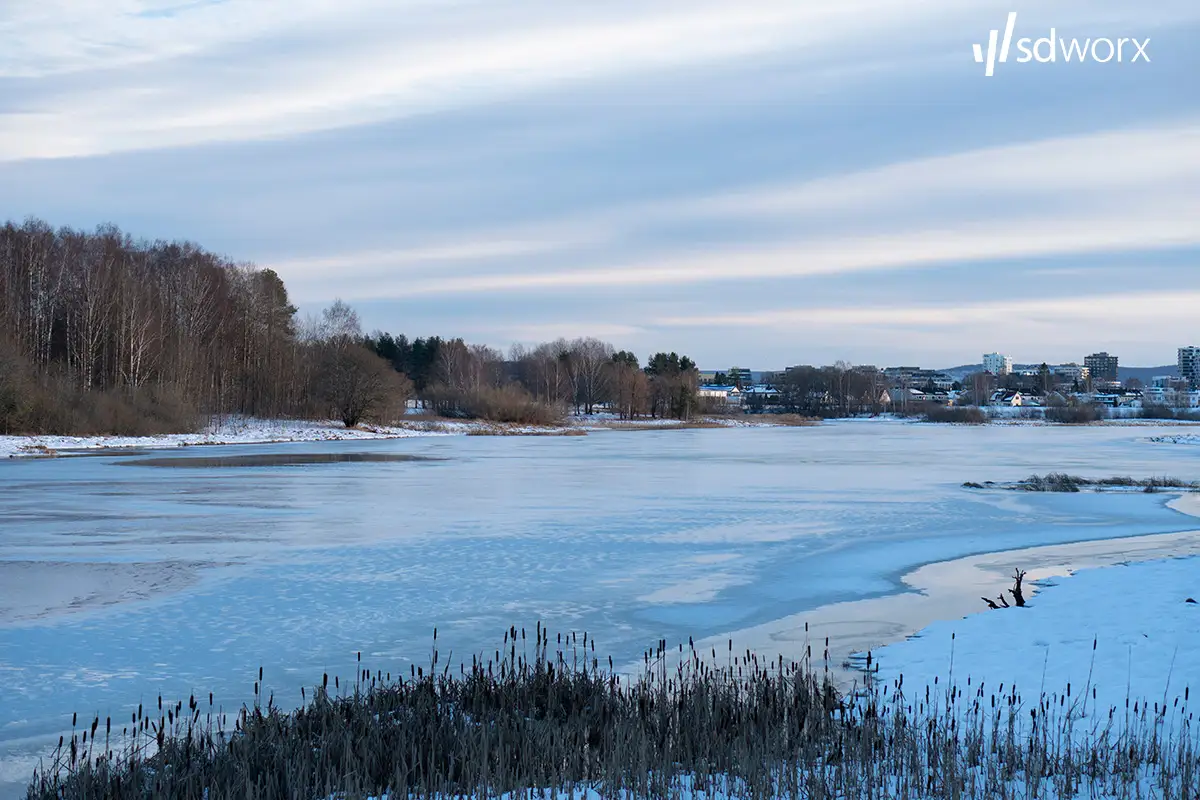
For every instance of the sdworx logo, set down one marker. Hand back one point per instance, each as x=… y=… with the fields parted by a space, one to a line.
x=1045 y=50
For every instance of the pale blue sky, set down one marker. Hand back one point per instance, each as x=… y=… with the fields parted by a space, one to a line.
x=760 y=183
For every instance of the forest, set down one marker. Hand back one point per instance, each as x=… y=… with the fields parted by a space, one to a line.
x=102 y=333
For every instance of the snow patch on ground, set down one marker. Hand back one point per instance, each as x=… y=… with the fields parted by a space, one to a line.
x=1122 y=631
x=249 y=430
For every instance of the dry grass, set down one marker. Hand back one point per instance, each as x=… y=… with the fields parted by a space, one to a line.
x=545 y=714
x=1061 y=482
x=787 y=420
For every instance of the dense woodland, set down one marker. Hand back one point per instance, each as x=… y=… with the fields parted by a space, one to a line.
x=104 y=333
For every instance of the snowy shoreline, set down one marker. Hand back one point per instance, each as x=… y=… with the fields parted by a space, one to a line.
x=246 y=431
x=909 y=631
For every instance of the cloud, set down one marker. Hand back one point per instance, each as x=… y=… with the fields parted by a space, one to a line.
x=1157 y=308
x=239 y=70
x=118 y=75
x=984 y=205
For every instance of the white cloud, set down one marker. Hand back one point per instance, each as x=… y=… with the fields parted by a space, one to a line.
x=117 y=75
x=1144 y=308
x=402 y=260
x=983 y=205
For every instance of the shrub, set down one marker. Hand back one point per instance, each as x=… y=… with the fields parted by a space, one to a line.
x=1156 y=412
x=959 y=415
x=1076 y=415
x=54 y=403
x=1054 y=482
x=509 y=403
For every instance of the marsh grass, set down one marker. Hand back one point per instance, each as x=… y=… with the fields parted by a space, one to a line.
x=545 y=714
x=1061 y=482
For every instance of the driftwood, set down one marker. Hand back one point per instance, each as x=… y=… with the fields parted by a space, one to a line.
x=1018 y=595
x=1017 y=592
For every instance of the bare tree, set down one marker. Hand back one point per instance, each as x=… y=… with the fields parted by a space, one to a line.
x=359 y=385
x=589 y=364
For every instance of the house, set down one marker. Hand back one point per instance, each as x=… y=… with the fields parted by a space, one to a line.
x=907 y=397
x=1155 y=396
x=761 y=394
x=1007 y=397
x=729 y=395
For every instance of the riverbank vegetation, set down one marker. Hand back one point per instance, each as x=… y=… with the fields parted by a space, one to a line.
x=1062 y=482
x=546 y=714
x=101 y=333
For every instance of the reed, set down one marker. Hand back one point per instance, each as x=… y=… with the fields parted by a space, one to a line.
x=545 y=714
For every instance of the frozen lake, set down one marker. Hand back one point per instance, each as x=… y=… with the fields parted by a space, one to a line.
x=120 y=580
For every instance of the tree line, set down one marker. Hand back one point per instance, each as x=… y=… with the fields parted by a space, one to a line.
x=535 y=384
x=104 y=333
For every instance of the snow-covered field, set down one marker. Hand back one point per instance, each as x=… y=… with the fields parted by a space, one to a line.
x=1111 y=633
x=120 y=579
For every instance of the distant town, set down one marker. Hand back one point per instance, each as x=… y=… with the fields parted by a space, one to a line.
x=1098 y=382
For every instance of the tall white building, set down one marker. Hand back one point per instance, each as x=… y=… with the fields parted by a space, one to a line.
x=997 y=364
x=1189 y=364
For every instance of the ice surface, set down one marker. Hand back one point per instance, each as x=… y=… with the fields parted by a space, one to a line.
x=123 y=581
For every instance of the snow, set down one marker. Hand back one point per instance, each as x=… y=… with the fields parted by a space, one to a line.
x=1124 y=631
x=250 y=430
x=236 y=430
x=223 y=430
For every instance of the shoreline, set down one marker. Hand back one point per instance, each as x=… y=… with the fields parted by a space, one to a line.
x=264 y=432
x=943 y=591
x=252 y=431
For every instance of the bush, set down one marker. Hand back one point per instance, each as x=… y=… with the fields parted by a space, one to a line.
x=1076 y=415
x=1054 y=482
x=510 y=403
x=1156 y=412
x=958 y=415
x=55 y=404
x=16 y=394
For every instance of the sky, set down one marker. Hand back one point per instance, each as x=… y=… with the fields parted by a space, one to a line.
x=757 y=183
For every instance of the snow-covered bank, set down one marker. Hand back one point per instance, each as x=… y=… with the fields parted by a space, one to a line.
x=222 y=431
x=241 y=430
x=1123 y=632
x=951 y=590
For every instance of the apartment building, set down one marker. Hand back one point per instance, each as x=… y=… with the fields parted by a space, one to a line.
x=1189 y=365
x=1102 y=366
x=997 y=364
